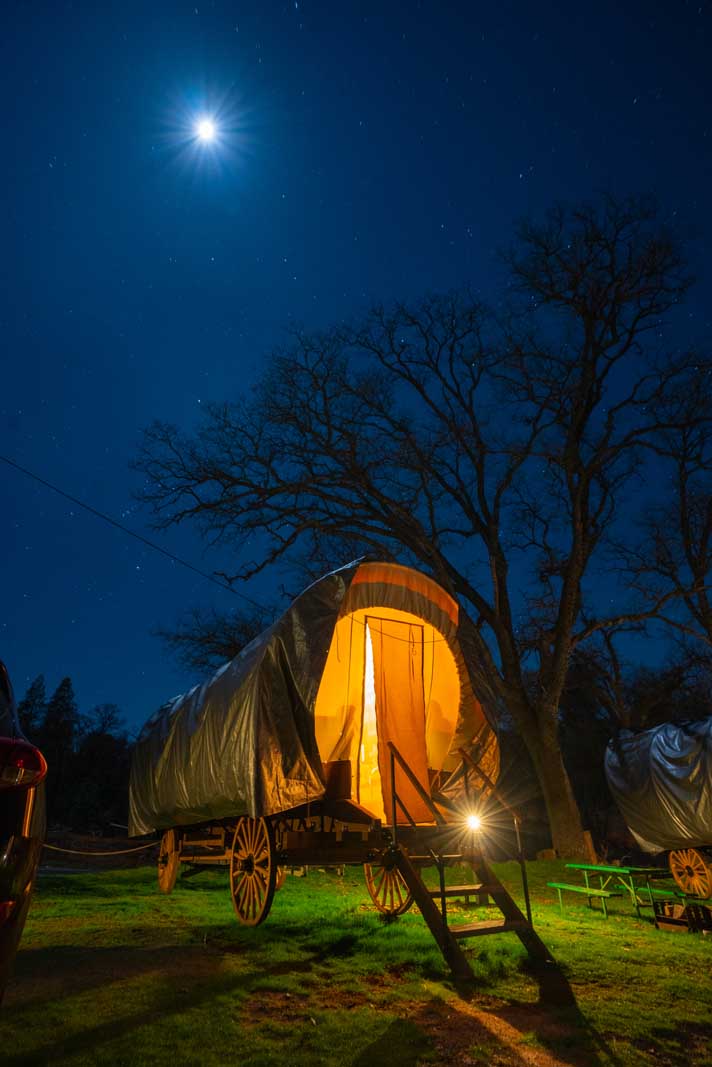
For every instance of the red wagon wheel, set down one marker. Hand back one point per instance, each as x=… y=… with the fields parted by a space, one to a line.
x=168 y=862
x=253 y=870
x=691 y=872
x=387 y=888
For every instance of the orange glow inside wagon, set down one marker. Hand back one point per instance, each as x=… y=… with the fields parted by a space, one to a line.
x=390 y=675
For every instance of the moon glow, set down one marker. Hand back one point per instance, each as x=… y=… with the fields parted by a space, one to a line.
x=205 y=130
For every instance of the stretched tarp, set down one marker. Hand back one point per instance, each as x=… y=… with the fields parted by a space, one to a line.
x=365 y=655
x=661 y=780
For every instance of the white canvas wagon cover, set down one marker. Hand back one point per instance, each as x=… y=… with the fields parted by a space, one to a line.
x=661 y=779
x=367 y=654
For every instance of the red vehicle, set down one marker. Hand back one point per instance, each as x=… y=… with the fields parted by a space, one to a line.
x=22 y=825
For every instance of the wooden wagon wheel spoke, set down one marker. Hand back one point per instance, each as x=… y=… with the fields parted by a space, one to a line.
x=243 y=896
x=246 y=898
x=379 y=879
x=168 y=861
x=387 y=889
x=691 y=871
x=253 y=870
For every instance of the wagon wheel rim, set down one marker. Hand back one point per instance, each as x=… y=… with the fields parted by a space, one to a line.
x=387 y=889
x=253 y=870
x=168 y=862
x=691 y=872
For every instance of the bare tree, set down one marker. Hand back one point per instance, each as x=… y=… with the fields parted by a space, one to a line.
x=497 y=450
x=105 y=719
x=204 y=640
x=630 y=696
x=671 y=567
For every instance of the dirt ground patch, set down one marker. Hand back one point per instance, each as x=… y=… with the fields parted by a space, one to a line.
x=110 y=967
x=459 y=1032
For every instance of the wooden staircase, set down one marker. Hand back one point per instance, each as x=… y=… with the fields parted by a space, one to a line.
x=448 y=936
x=486 y=886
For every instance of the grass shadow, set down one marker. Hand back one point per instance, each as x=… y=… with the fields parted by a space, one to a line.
x=556 y=1019
x=402 y=1044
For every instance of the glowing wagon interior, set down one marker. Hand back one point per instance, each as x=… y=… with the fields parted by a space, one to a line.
x=396 y=675
x=287 y=756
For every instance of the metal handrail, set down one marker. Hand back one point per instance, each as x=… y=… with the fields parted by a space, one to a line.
x=441 y=821
x=397 y=802
x=424 y=796
x=468 y=758
x=516 y=819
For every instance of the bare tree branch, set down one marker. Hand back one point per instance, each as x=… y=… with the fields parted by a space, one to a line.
x=498 y=451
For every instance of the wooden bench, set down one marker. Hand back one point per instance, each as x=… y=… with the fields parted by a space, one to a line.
x=588 y=891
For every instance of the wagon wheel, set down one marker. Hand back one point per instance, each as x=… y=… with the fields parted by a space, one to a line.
x=253 y=870
x=281 y=877
x=168 y=862
x=691 y=872
x=387 y=889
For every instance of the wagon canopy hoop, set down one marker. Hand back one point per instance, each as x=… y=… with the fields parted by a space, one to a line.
x=253 y=870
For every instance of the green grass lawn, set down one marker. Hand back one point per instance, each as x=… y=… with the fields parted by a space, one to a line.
x=111 y=972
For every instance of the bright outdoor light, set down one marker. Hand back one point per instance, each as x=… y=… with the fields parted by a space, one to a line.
x=205 y=130
x=473 y=822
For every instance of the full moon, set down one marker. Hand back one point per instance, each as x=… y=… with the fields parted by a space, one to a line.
x=205 y=130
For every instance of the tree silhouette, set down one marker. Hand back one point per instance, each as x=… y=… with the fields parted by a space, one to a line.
x=497 y=449
x=57 y=738
x=671 y=565
x=204 y=640
x=100 y=772
x=32 y=708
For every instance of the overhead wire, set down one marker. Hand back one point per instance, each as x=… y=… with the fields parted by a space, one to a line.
x=164 y=551
x=132 y=533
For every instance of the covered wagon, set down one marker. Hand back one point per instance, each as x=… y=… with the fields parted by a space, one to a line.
x=661 y=780
x=348 y=733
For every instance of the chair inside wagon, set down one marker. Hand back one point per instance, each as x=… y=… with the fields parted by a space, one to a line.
x=347 y=733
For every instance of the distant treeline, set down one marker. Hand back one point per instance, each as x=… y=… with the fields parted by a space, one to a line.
x=88 y=757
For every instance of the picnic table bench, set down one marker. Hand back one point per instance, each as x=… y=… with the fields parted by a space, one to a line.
x=616 y=881
x=590 y=891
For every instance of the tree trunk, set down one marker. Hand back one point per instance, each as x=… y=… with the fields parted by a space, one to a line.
x=542 y=742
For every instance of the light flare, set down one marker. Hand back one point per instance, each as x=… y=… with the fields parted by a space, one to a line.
x=205 y=129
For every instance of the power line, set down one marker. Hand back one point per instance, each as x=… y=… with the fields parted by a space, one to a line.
x=131 y=533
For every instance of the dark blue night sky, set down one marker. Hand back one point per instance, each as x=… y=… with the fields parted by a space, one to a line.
x=366 y=151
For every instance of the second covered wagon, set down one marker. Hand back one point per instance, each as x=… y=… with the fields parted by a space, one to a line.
x=661 y=779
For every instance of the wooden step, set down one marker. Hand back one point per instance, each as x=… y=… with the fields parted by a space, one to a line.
x=463 y=890
x=489 y=926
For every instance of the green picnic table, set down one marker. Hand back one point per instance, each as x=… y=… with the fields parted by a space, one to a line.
x=614 y=881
